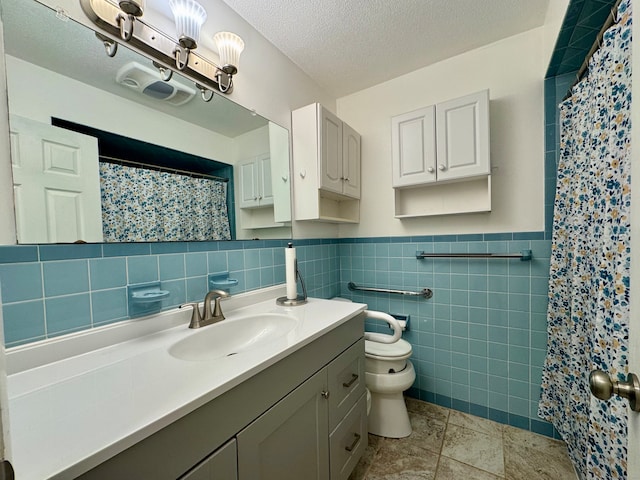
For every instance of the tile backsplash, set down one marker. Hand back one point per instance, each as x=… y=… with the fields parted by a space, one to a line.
x=50 y=290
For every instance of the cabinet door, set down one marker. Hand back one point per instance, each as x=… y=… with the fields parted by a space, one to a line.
x=350 y=161
x=289 y=441
x=349 y=440
x=346 y=382
x=462 y=128
x=220 y=465
x=413 y=142
x=249 y=184
x=265 y=185
x=330 y=144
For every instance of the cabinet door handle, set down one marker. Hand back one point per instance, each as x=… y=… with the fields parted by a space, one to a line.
x=442 y=168
x=430 y=170
x=325 y=394
x=354 y=377
x=356 y=439
x=346 y=179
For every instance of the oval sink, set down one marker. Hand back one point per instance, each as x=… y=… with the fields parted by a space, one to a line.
x=230 y=337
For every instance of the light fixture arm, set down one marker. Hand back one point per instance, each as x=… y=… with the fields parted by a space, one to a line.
x=165 y=72
x=110 y=46
x=205 y=93
x=182 y=57
x=125 y=22
x=157 y=45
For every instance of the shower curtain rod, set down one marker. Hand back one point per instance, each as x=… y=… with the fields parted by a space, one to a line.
x=133 y=163
x=596 y=44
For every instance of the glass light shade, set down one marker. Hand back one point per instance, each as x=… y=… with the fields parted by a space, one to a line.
x=189 y=16
x=230 y=47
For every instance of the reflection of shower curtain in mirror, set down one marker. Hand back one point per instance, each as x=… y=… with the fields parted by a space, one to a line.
x=140 y=205
x=588 y=314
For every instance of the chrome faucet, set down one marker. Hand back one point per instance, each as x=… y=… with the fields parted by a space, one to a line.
x=199 y=320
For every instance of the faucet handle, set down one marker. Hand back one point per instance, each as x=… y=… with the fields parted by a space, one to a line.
x=196 y=315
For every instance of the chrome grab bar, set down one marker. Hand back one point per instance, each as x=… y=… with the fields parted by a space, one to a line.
x=425 y=292
x=524 y=255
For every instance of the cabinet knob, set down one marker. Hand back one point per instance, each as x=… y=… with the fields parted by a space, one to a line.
x=430 y=170
x=442 y=168
x=325 y=394
x=346 y=179
x=260 y=198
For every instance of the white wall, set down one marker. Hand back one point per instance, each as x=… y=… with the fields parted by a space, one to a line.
x=78 y=102
x=513 y=69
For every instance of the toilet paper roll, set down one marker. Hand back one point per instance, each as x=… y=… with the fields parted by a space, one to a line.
x=290 y=271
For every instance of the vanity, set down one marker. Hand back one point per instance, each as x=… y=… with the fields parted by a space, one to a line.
x=149 y=399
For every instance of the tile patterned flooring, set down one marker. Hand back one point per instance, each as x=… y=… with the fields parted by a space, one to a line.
x=447 y=445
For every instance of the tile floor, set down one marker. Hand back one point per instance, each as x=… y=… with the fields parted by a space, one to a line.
x=447 y=445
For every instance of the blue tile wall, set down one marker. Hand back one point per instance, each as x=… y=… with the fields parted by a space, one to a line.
x=480 y=342
x=51 y=290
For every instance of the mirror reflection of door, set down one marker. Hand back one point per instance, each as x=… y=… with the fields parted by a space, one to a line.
x=56 y=184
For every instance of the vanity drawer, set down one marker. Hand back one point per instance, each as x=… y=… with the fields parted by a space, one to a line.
x=348 y=441
x=346 y=382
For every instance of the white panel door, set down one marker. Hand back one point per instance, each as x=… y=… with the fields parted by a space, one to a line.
x=462 y=127
x=350 y=161
x=56 y=183
x=330 y=151
x=413 y=142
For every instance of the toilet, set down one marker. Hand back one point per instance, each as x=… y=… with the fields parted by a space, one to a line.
x=388 y=373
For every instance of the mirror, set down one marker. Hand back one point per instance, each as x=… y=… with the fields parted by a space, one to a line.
x=64 y=92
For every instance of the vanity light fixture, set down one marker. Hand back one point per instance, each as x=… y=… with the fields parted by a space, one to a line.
x=189 y=16
x=124 y=21
x=230 y=46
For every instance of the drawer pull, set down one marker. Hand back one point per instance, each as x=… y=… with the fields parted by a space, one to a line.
x=356 y=439
x=354 y=377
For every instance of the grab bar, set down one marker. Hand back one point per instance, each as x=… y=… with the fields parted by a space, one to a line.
x=524 y=255
x=425 y=292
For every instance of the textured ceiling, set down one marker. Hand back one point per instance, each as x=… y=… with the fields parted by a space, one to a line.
x=349 y=45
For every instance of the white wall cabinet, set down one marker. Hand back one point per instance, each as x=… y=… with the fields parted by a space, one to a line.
x=303 y=417
x=256 y=188
x=326 y=164
x=442 y=144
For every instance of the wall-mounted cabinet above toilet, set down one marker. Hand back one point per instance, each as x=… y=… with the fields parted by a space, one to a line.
x=436 y=146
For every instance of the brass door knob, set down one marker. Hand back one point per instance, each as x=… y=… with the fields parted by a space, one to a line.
x=604 y=388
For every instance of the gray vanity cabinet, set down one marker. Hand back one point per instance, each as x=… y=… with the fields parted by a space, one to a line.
x=289 y=441
x=220 y=465
x=303 y=417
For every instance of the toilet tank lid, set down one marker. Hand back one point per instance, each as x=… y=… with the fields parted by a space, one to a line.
x=401 y=348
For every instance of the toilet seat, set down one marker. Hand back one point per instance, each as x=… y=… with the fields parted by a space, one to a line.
x=386 y=357
x=393 y=351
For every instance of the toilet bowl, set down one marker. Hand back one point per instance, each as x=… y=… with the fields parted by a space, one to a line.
x=387 y=376
x=388 y=373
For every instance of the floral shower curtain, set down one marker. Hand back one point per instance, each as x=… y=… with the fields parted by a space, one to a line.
x=590 y=260
x=140 y=205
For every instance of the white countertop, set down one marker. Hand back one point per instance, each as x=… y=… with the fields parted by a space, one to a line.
x=71 y=414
